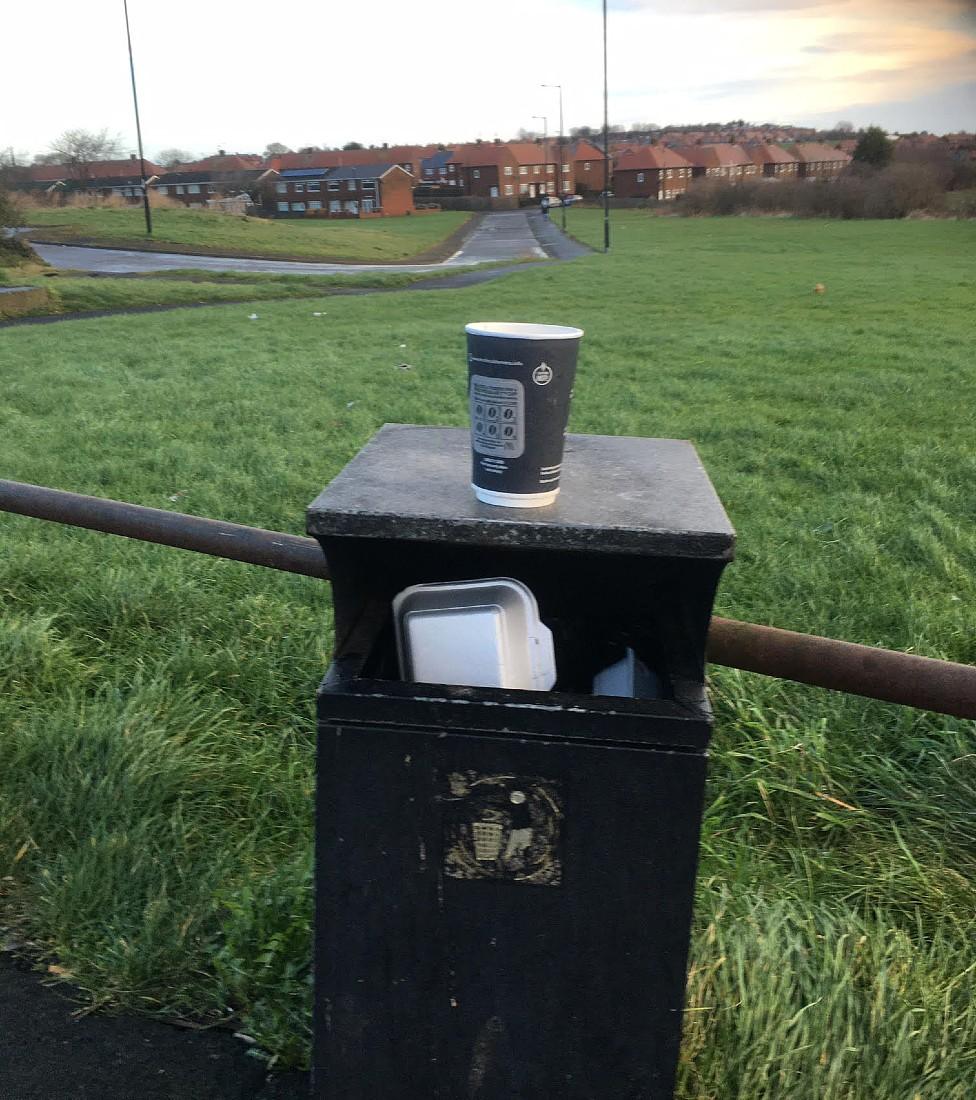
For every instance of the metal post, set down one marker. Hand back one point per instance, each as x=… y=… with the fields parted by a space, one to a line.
x=545 y=151
x=135 y=103
x=562 y=154
x=606 y=142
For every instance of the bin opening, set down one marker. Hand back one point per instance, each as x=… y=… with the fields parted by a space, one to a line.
x=583 y=650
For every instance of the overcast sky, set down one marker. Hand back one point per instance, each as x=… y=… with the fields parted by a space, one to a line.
x=239 y=75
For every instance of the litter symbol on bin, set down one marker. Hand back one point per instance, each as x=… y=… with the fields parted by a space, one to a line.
x=501 y=827
x=487 y=839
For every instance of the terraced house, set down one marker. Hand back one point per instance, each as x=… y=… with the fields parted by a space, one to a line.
x=818 y=161
x=719 y=161
x=353 y=191
x=773 y=161
x=651 y=172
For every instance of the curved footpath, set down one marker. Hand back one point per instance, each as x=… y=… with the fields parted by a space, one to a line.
x=47 y=1052
x=498 y=239
x=504 y=235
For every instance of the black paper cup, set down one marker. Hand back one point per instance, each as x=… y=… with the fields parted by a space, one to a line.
x=520 y=383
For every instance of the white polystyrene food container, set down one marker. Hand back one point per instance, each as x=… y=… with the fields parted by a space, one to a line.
x=484 y=633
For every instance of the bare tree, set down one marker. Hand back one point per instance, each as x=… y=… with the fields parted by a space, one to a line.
x=80 y=149
x=172 y=158
x=276 y=149
x=845 y=127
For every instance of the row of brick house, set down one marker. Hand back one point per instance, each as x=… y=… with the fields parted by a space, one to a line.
x=386 y=181
x=662 y=172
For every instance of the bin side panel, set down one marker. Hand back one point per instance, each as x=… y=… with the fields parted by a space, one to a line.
x=500 y=919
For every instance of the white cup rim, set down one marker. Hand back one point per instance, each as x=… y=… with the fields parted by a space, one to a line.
x=519 y=330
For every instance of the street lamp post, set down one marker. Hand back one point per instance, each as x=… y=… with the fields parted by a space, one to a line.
x=606 y=142
x=545 y=150
x=135 y=103
x=559 y=167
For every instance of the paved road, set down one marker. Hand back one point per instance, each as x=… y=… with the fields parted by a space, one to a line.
x=499 y=236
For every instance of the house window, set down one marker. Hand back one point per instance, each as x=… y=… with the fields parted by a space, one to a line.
x=315 y=205
x=299 y=188
x=523 y=171
x=179 y=189
x=367 y=206
x=335 y=206
x=428 y=171
x=333 y=185
x=477 y=173
x=368 y=185
x=352 y=206
x=509 y=189
x=281 y=188
x=442 y=171
x=508 y=169
x=282 y=208
x=493 y=192
x=586 y=166
x=535 y=169
x=640 y=177
x=162 y=189
x=350 y=185
x=565 y=169
x=550 y=169
x=314 y=186
x=450 y=169
x=193 y=189
x=298 y=208
x=523 y=188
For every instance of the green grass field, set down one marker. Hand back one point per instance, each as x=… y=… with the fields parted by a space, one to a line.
x=156 y=706
x=372 y=240
x=76 y=293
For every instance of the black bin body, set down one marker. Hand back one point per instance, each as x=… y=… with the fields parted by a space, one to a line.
x=504 y=879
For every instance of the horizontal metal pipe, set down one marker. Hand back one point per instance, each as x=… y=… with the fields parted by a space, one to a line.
x=883 y=674
x=822 y=662
x=273 y=549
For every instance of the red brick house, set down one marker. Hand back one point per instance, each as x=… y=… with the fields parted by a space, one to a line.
x=587 y=162
x=354 y=191
x=818 y=161
x=490 y=172
x=719 y=161
x=773 y=161
x=651 y=172
x=119 y=178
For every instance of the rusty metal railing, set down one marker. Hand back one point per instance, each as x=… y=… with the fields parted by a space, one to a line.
x=891 y=677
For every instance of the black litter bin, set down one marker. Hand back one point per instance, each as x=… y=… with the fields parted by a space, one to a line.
x=504 y=879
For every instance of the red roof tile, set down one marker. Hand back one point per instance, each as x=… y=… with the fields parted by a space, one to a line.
x=650 y=157
x=769 y=154
x=808 y=152
x=717 y=155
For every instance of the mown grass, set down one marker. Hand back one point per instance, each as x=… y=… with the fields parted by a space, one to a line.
x=79 y=293
x=155 y=707
x=375 y=239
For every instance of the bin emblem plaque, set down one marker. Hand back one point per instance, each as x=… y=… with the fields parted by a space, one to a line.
x=504 y=827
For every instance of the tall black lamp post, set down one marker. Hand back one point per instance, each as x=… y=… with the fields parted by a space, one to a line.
x=545 y=149
x=562 y=153
x=606 y=142
x=135 y=103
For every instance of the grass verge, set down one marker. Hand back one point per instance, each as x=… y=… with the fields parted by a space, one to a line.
x=384 y=240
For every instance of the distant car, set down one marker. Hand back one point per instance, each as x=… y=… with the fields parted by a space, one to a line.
x=606 y=194
x=568 y=200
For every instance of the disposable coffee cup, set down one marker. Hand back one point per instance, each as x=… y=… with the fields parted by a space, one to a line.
x=520 y=383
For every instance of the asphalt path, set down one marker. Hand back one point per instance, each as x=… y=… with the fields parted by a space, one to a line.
x=505 y=235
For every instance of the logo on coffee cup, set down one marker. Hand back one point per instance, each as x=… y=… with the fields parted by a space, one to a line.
x=542 y=375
